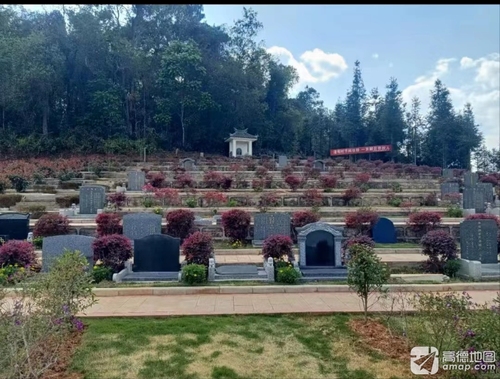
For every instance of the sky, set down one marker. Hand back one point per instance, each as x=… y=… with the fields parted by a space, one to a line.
x=416 y=44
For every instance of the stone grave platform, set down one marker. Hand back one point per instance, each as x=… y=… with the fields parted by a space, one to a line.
x=319 y=273
x=241 y=272
x=151 y=277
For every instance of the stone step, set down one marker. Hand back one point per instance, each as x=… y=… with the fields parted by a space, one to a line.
x=323 y=272
x=151 y=277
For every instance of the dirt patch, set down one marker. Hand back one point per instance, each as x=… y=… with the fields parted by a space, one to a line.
x=65 y=354
x=378 y=337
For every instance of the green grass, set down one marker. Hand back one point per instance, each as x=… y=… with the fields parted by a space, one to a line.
x=229 y=347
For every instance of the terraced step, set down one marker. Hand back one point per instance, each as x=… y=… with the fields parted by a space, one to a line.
x=151 y=277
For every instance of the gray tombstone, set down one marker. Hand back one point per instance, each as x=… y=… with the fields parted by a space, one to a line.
x=447 y=188
x=188 y=164
x=384 y=231
x=14 y=226
x=470 y=179
x=474 y=199
x=282 y=161
x=92 y=198
x=156 y=253
x=54 y=247
x=270 y=224
x=479 y=240
x=448 y=173
x=320 y=245
x=487 y=189
x=319 y=164
x=136 y=180
x=139 y=225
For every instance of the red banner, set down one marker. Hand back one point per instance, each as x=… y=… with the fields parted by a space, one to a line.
x=361 y=150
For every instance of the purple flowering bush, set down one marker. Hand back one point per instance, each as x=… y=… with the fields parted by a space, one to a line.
x=43 y=317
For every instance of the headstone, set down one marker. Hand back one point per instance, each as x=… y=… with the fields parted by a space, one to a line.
x=384 y=231
x=92 y=198
x=136 y=180
x=447 y=188
x=479 y=240
x=139 y=225
x=487 y=189
x=319 y=165
x=156 y=253
x=14 y=226
x=448 y=173
x=270 y=224
x=470 y=179
x=320 y=245
x=282 y=161
x=474 y=199
x=188 y=164
x=54 y=247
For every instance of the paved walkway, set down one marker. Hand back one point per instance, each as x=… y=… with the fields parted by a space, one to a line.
x=222 y=304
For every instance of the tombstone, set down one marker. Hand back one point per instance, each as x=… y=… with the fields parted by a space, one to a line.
x=54 y=247
x=448 y=173
x=470 y=179
x=479 y=240
x=487 y=189
x=282 y=161
x=320 y=245
x=319 y=165
x=156 y=253
x=384 y=231
x=92 y=198
x=139 y=225
x=188 y=164
x=474 y=199
x=270 y=224
x=14 y=226
x=447 y=188
x=136 y=180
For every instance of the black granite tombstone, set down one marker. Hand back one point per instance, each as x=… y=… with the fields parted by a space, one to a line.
x=14 y=226
x=320 y=249
x=384 y=231
x=156 y=253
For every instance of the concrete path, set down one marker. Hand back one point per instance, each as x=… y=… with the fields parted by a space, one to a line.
x=228 y=304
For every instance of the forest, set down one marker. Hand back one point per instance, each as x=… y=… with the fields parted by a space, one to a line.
x=116 y=79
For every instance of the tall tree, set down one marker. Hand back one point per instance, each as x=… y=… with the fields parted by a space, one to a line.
x=415 y=132
x=354 y=130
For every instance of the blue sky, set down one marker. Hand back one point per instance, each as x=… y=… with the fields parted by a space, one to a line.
x=460 y=44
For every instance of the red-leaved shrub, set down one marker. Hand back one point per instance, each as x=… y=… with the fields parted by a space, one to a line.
x=293 y=182
x=269 y=199
x=362 y=178
x=113 y=251
x=313 y=198
x=492 y=178
x=303 y=218
x=261 y=172
x=14 y=252
x=168 y=196
x=439 y=247
x=118 y=199
x=328 y=181
x=350 y=194
x=287 y=170
x=362 y=220
x=213 y=179
x=430 y=200
x=180 y=223
x=198 y=248
x=51 y=224
x=236 y=223
x=356 y=240
x=157 y=180
x=424 y=221
x=184 y=181
x=214 y=199
x=277 y=247
x=108 y=223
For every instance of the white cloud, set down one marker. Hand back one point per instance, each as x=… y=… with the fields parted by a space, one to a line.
x=481 y=88
x=313 y=66
x=375 y=55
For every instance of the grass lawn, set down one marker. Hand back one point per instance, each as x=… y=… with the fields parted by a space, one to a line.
x=230 y=347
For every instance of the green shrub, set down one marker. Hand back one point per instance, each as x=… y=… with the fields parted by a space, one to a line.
x=396 y=187
x=19 y=183
x=12 y=274
x=100 y=273
x=158 y=211
x=455 y=212
x=285 y=272
x=38 y=242
x=191 y=202
x=147 y=202
x=451 y=267
x=194 y=274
